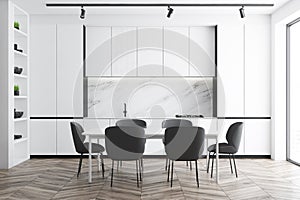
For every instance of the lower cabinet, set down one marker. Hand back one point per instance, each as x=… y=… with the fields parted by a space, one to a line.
x=43 y=137
x=51 y=137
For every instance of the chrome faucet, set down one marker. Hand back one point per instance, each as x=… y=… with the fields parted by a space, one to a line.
x=125 y=111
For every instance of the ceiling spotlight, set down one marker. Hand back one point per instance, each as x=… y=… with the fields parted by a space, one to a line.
x=82 y=13
x=170 y=11
x=242 y=12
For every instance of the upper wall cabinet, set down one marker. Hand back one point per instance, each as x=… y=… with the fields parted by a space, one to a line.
x=43 y=70
x=124 y=55
x=98 y=51
x=150 y=51
x=69 y=70
x=231 y=70
x=202 y=51
x=258 y=68
x=176 y=51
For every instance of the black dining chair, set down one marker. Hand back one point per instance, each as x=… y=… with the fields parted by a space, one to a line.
x=175 y=123
x=233 y=137
x=82 y=147
x=131 y=122
x=125 y=143
x=183 y=144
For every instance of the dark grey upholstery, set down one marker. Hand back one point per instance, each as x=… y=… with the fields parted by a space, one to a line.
x=233 y=137
x=125 y=143
x=176 y=123
x=81 y=147
x=132 y=122
x=184 y=144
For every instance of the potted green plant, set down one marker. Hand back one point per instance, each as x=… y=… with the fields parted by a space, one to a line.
x=16 y=90
x=17 y=25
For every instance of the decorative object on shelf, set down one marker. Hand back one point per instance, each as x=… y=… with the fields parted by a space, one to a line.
x=16 y=48
x=17 y=136
x=18 y=114
x=17 y=25
x=16 y=90
x=18 y=70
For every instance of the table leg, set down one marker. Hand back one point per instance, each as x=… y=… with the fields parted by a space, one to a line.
x=207 y=153
x=90 y=159
x=217 y=160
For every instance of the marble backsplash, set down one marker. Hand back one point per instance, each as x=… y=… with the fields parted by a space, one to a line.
x=149 y=97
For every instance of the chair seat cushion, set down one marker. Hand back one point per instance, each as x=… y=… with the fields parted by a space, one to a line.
x=223 y=148
x=96 y=148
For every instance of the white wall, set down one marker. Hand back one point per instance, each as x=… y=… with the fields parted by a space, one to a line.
x=280 y=19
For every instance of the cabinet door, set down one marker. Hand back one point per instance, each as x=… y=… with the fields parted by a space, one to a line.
x=202 y=51
x=124 y=55
x=98 y=51
x=43 y=70
x=150 y=51
x=176 y=51
x=43 y=137
x=231 y=70
x=69 y=70
x=258 y=68
x=258 y=137
x=65 y=144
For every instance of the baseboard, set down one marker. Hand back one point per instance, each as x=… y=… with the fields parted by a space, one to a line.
x=149 y=156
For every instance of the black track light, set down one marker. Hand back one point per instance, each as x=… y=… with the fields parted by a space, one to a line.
x=82 y=14
x=242 y=12
x=170 y=11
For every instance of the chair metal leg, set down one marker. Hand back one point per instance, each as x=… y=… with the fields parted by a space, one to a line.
x=112 y=173
x=233 y=157
x=102 y=164
x=190 y=165
x=121 y=163
x=118 y=163
x=137 y=173
x=79 y=166
x=140 y=169
x=212 y=166
x=197 y=178
x=230 y=163
x=208 y=162
x=187 y=163
x=168 y=170
x=172 y=173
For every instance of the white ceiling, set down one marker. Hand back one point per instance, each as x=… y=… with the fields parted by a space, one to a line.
x=39 y=7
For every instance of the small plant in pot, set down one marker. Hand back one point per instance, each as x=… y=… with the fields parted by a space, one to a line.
x=16 y=90
x=16 y=25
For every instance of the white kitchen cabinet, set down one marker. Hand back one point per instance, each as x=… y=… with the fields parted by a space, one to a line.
x=43 y=137
x=65 y=144
x=150 y=51
x=230 y=70
x=98 y=51
x=258 y=68
x=43 y=70
x=69 y=70
x=176 y=51
x=202 y=51
x=124 y=54
x=258 y=137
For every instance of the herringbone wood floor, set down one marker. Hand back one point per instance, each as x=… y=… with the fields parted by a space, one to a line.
x=56 y=179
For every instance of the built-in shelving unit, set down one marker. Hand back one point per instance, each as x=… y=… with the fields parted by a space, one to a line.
x=21 y=102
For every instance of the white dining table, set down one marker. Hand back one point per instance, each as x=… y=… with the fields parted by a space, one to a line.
x=90 y=135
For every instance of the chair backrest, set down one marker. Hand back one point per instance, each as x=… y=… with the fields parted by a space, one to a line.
x=78 y=138
x=184 y=143
x=125 y=142
x=234 y=135
x=176 y=123
x=132 y=122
